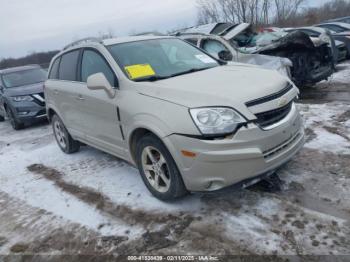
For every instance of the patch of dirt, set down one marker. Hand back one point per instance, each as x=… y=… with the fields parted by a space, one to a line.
x=105 y=204
x=3 y=241
x=344 y=117
x=74 y=242
x=19 y=248
x=337 y=131
x=298 y=224
x=295 y=186
x=310 y=135
x=317 y=161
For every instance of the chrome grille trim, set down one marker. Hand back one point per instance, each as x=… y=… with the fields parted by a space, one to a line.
x=270 y=97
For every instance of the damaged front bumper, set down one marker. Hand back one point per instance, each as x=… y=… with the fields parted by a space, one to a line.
x=251 y=153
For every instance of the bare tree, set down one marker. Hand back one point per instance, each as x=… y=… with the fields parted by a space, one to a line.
x=247 y=11
x=286 y=9
x=208 y=11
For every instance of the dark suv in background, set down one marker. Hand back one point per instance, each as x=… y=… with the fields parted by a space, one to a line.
x=22 y=95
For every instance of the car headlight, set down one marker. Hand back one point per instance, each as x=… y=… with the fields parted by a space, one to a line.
x=22 y=98
x=216 y=120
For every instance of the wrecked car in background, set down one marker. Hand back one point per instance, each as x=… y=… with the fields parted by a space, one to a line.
x=311 y=64
x=340 y=32
x=221 y=48
x=320 y=36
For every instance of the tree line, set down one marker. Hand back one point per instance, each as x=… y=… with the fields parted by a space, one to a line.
x=42 y=58
x=280 y=13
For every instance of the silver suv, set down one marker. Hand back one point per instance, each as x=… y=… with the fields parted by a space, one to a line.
x=189 y=122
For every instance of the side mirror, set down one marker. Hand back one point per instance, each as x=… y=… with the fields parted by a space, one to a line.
x=99 y=82
x=225 y=55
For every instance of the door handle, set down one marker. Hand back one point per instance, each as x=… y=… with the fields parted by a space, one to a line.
x=55 y=91
x=80 y=98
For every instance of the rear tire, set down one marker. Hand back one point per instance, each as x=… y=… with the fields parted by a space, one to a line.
x=2 y=119
x=64 y=140
x=158 y=169
x=16 y=125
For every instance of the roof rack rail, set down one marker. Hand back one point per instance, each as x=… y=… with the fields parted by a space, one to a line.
x=83 y=40
x=189 y=33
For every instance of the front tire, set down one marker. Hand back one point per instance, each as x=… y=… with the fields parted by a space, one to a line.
x=13 y=121
x=64 y=140
x=2 y=119
x=158 y=169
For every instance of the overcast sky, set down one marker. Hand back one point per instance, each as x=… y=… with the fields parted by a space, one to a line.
x=42 y=25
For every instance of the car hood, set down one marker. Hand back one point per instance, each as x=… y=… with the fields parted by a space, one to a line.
x=25 y=90
x=281 y=64
x=232 y=85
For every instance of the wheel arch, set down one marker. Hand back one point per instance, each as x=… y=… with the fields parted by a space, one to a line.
x=136 y=135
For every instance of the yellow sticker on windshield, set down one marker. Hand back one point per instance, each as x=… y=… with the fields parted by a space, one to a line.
x=139 y=71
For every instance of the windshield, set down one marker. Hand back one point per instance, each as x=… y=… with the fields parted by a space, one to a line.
x=25 y=77
x=159 y=59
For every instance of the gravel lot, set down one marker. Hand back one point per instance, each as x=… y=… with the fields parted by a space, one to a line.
x=94 y=204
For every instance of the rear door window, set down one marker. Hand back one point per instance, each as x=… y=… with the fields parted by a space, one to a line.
x=92 y=63
x=68 y=66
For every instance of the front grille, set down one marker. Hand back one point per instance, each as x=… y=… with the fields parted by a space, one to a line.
x=271 y=97
x=269 y=118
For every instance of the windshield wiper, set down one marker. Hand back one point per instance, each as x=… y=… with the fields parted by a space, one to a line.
x=192 y=70
x=151 y=78
x=157 y=77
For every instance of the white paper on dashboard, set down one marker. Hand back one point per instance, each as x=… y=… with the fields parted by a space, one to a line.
x=205 y=59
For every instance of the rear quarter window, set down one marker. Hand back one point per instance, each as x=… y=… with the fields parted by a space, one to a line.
x=68 y=66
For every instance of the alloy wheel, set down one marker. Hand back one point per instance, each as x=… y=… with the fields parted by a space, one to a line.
x=156 y=169
x=60 y=134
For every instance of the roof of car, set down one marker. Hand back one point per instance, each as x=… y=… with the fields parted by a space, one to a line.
x=313 y=28
x=336 y=23
x=202 y=29
x=18 y=68
x=93 y=41
x=339 y=19
x=128 y=39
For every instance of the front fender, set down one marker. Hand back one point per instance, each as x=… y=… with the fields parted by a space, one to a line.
x=149 y=122
x=52 y=107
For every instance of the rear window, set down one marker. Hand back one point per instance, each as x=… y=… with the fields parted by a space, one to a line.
x=25 y=77
x=68 y=66
x=54 y=69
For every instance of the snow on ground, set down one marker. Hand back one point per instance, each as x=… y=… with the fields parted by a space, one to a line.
x=98 y=204
x=332 y=134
